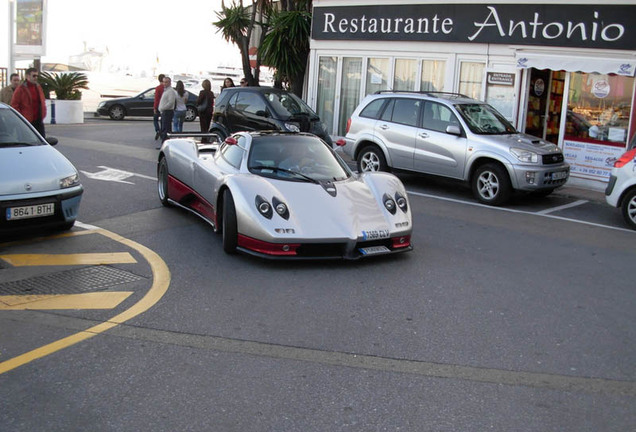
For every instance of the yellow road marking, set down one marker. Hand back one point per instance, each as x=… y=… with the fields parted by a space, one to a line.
x=22 y=260
x=160 y=284
x=93 y=300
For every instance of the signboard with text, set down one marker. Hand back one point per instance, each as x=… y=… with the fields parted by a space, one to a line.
x=565 y=25
x=30 y=28
x=591 y=161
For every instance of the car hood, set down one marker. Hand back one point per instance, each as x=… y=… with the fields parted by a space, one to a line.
x=32 y=169
x=315 y=213
x=523 y=141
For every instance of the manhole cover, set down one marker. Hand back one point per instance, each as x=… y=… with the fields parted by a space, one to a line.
x=87 y=279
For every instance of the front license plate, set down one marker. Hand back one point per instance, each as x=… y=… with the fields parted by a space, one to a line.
x=375 y=234
x=374 y=250
x=559 y=175
x=39 y=210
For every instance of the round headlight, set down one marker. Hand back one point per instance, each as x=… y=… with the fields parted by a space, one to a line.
x=389 y=204
x=264 y=207
x=281 y=209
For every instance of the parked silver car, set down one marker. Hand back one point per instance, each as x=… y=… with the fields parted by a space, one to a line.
x=39 y=187
x=621 y=189
x=451 y=135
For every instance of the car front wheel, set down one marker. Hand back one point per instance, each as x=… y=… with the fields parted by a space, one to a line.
x=371 y=159
x=230 y=229
x=629 y=208
x=117 y=112
x=162 y=182
x=491 y=184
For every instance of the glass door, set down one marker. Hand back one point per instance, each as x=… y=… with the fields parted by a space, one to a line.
x=537 y=102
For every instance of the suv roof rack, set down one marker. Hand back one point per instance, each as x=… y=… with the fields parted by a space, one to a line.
x=426 y=93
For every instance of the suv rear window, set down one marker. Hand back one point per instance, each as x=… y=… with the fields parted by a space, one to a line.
x=373 y=110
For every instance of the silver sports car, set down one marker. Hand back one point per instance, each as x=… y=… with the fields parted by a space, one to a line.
x=285 y=195
x=39 y=187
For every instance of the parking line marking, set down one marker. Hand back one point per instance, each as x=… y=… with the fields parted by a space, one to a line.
x=563 y=207
x=95 y=300
x=24 y=260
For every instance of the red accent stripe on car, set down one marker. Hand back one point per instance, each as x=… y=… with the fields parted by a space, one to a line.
x=263 y=247
x=186 y=196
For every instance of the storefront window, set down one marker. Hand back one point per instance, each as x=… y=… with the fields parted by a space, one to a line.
x=377 y=75
x=433 y=75
x=471 y=78
x=325 y=103
x=350 y=90
x=599 y=108
x=405 y=74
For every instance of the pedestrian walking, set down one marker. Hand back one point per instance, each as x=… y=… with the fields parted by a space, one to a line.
x=155 y=107
x=166 y=107
x=28 y=99
x=180 y=109
x=6 y=94
x=205 y=106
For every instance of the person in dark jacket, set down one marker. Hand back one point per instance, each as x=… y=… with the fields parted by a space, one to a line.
x=28 y=99
x=205 y=106
x=155 y=107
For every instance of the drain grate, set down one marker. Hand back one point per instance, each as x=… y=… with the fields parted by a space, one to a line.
x=87 y=279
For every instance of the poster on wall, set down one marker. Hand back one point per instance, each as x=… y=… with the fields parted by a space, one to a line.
x=591 y=161
x=30 y=27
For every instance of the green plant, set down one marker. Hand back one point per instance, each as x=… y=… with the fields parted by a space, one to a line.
x=66 y=85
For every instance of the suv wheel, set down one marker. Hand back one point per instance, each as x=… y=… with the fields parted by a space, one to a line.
x=491 y=184
x=371 y=159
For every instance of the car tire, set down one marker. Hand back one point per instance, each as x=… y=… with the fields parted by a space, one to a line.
x=230 y=229
x=371 y=159
x=67 y=226
x=191 y=114
x=491 y=184
x=162 y=182
x=628 y=208
x=117 y=112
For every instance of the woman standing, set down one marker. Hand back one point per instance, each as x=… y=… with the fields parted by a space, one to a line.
x=205 y=105
x=227 y=82
x=180 y=108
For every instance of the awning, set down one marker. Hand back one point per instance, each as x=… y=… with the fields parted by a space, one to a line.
x=554 y=60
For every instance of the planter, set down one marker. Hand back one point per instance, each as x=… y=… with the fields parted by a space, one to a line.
x=66 y=111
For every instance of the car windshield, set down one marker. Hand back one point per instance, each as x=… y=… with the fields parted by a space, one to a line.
x=14 y=132
x=295 y=158
x=288 y=104
x=484 y=119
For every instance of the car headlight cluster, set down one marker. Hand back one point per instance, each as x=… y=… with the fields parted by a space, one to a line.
x=292 y=127
x=70 y=181
x=267 y=210
x=523 y=155
x=393 y=203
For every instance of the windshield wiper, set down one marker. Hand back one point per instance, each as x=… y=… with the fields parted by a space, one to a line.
x=17 y=144
x=277 y=169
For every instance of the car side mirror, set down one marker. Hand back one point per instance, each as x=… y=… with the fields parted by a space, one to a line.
x=453 y=130
x=51 y=140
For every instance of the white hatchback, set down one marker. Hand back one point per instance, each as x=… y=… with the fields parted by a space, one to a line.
x=621 y=189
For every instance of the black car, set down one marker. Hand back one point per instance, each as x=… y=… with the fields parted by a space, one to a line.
x=141 y=105
x=264 y=108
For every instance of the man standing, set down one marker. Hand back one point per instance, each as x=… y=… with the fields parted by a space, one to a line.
x=155 y=106
x=7 y=92
x=166 y=107
x=28 y=99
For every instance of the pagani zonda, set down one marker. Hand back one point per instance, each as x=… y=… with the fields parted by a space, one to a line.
x=285 y=195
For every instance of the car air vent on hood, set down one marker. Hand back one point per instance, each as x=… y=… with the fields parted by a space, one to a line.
x=329 y=187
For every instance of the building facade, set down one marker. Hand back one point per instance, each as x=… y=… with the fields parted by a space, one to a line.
x=561 y=71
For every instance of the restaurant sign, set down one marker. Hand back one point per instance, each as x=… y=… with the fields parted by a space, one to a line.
x=565 y=25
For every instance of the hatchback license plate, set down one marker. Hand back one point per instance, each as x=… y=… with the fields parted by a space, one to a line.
x=560 y=175
x=39 y=210
x=372 y=250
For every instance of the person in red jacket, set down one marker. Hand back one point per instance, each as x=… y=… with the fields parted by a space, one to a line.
x=28 y=100
x=155 y=107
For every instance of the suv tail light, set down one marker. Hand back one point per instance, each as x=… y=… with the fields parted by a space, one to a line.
x=348 y=125
x=626 y=158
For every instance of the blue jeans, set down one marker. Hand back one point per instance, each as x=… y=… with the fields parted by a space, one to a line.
x=177 y=123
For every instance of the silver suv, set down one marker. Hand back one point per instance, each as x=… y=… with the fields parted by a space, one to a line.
x=454 y=136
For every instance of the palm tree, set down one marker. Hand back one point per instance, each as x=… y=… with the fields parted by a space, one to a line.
x=66 y=85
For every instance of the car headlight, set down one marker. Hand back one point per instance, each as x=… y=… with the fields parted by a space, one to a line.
x=101 y=104
x=525 y=155
x=264 y=207
x=70 y=181
x=389 y=203
x=281 y=208
x=401 y=202
x=292 y=127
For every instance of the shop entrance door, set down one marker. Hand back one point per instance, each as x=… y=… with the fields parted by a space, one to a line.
x=536 y=117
